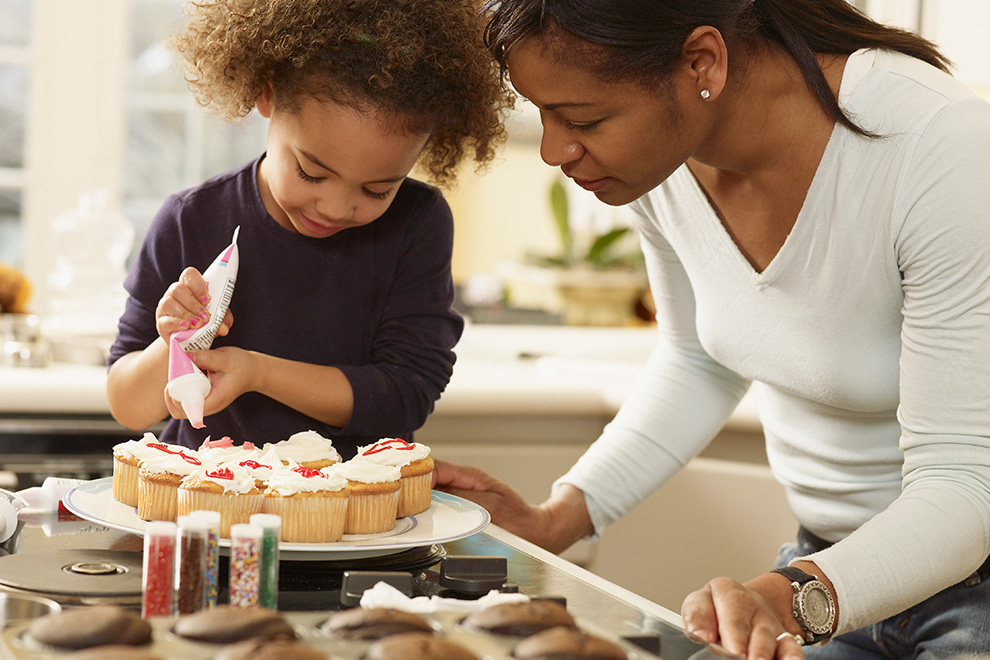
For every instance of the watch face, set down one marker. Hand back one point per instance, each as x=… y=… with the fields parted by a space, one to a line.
x=817 y=608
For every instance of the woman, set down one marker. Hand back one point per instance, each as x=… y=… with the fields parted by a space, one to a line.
x=811 y=197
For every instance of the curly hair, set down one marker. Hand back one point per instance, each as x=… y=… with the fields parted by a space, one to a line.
x=421 y=62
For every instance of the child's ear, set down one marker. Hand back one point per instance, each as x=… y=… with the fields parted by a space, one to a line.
x=264 y=102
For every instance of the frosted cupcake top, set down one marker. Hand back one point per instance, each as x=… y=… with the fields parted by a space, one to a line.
x=224 y=450
x=291 y=479
x=131 y=448
x=169 y=459
x=392 y=451
x=365 y=472
x=232 y=478
x=304 y=447
x=260 y=464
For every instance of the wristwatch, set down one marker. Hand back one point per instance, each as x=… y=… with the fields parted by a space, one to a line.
x=812 y=605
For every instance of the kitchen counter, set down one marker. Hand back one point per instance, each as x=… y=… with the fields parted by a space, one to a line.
x=522 y=370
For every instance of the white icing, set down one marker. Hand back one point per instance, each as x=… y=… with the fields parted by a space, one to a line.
x=241 y=481
x=286 y=481
x=129 y=448
x=267 y=460
x=304 y=447
x=221 y=455
x=392 y=453
x=366 y=472
x=158 y=461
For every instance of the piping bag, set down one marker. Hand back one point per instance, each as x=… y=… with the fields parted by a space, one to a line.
x=187 y=384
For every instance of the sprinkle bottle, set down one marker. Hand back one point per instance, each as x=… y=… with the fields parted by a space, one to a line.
x=271 y=526
x=159 y=562
x=190 y=564
x=245 y=568
x=211 y=584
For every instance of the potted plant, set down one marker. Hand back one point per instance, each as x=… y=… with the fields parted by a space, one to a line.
x=595 y=278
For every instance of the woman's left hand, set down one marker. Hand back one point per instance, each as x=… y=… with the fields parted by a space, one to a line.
x=749 y=620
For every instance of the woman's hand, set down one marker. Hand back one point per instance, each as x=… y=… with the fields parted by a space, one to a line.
x=748 y=619
x=232 y=372
x=184 y=306
x=553 y=525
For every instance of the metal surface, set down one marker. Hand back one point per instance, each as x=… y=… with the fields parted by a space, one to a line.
x=50 y=544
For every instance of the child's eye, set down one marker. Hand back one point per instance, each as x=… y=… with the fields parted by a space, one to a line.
x=306 y=177
x=376 y=195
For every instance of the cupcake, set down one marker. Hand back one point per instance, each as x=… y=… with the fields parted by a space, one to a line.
x=417 y=646
x=229 y=489
x=224 y=450
x=415 y=465
x=312 y=504
x=308 y=449
x=83 y=627
x=126 y=461
x=159 y=476
x=372 y=623
x=226 y=624
x=374 y=495
x=564 y=642
x=260 y=465
x=520 y=619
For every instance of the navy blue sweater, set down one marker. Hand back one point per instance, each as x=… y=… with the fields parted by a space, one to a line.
x=374 y=301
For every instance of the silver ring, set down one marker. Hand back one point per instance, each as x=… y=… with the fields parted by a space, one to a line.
x=796 y=638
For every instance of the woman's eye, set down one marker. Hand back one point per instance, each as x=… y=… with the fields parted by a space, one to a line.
x=306 y=177
x=582 y=127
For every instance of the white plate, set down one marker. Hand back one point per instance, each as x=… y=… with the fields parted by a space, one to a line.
x=449 y=518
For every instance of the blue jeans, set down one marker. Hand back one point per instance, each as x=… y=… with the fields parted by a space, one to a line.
x=954 y=623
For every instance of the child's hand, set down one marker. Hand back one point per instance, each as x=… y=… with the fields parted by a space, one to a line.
x=230 y=371
x=184 y=305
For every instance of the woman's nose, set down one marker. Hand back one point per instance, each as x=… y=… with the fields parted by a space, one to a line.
x=558 y=147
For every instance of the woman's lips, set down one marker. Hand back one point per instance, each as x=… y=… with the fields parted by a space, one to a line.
x=591 y=184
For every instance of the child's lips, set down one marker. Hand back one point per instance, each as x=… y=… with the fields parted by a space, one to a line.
x=319 y=229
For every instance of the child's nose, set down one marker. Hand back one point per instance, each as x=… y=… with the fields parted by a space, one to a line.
x=336 y=204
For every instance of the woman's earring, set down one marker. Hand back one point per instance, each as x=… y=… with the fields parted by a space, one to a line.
x=705 y=94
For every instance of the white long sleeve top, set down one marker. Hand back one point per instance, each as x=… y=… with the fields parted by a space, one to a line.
x=867 y=339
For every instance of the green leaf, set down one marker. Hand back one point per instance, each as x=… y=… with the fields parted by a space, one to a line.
x=558 y=204
x=598 y=253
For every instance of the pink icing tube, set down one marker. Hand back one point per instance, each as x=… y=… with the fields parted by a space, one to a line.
x=220 y=276
x=186 y=383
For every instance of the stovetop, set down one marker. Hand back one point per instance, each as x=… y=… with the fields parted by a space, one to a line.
x=69 y=560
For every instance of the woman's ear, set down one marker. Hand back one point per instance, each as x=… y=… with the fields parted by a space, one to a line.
x=706 y=61
x=264 y=102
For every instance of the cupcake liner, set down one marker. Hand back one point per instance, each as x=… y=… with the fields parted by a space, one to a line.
x=234 y=508
x=125 y=482
x=157 y=501
x=309 y=519
x=415 y=495
x=372 y=513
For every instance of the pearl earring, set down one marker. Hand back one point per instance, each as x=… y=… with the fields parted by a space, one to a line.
x=705 y=94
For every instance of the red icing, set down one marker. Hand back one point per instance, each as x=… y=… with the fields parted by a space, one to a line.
x=309 y=473
x=222 y=473
x=398 y=444
x=192 y=460
x=253 y=465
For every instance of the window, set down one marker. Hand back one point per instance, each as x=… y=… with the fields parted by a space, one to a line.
x=15 y=26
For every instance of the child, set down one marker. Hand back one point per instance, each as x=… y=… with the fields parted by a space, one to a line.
x=341 y=318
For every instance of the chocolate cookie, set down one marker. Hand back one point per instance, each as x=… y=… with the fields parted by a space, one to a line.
x=225 y=624
x=417 y=646
x=562 y=643
x=373 y=623
x=268 y=649
x=520 y=619
x=97 y=625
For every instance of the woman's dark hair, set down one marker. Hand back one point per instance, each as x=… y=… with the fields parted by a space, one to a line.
x=641 y=40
